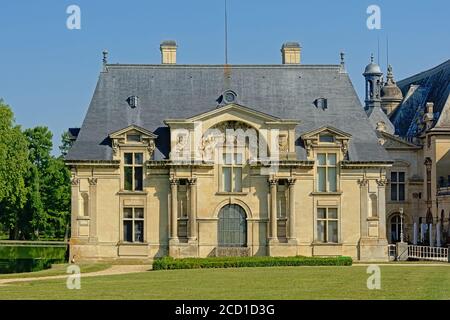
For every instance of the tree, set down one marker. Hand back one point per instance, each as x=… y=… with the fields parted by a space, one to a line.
x=14 y=166
x=32 y=219
x=66 y=143
x=40 y=146
x=56 y=196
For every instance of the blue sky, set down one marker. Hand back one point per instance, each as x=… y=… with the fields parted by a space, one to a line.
x=48 y=73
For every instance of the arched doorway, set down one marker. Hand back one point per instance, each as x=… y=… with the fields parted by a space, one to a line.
x=232 y=228
x=395 y=228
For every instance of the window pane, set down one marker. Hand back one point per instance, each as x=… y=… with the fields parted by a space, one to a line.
x=138 y=158
x=331 y=159
x=139 y=231
x=238 y=159
x=138 y=177
x=321 y=231
x=139 y=213
x=128 y=158
x=321 y=180
x=326 y=138
x=394 y=192
x=127 y=231
x=401 y=177
x=227 y=158
x=332 y=183
x=332 y=231
x=128 y=176
x=237 y=179
x=226 y=179
x=127 y=213
x=321 y=213
x=401 y=192
x=394 y=176
x=321 y=159
x=134 y=138
x=332 y=213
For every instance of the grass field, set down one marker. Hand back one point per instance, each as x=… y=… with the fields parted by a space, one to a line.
x=56 y=270
x=397 y=282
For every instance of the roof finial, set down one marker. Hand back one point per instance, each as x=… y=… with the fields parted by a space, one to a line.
x=105 y=57
x=342 y=61
x=226 y=33
x=371 y=58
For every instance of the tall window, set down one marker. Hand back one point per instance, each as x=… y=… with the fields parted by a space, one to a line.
x=133 y=171
x=397 y=186
x=281 y=209
x=326 y=172
x=232 y=172
x=327 y=225
x=396 y=225
x=133 y=224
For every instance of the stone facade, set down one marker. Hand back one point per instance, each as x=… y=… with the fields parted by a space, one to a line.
x=182 y=201
x=284 y=162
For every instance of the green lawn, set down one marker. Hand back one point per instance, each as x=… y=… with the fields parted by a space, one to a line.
x=56 y=270
x=398 y=282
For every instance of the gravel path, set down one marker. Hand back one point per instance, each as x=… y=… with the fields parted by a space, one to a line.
x=113 y=270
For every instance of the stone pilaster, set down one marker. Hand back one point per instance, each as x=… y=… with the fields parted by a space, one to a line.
x=75 y=200
x=193 y=209
x=382 y=207
x=92 y=209
x=292 y=233
x=363 y=199
x=273 y=209
x=174 y=208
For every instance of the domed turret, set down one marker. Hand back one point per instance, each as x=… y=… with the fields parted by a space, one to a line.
x=372 y=68
x=391 y=95
x=373 y=75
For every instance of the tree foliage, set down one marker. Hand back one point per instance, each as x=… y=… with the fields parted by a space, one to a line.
x=34 y=184
x=14 y=166
x=66 y=143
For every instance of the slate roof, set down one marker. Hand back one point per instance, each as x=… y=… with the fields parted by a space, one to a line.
x=377 y=115
x=429 y=86
x=181 y=91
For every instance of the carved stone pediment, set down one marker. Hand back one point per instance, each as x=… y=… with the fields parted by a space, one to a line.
x=143 y=137
x=312 y=139
x=389 y=141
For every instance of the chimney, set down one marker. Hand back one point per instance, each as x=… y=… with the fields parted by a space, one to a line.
x=291 y=53
x=168 y=52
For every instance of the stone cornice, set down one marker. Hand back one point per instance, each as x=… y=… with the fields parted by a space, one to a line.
x=93 y=163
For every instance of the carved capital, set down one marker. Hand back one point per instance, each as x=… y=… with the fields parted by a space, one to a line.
x=174 y=181
x=363 y=182
x=92 y=181
x=75 y=181
x=291 y=181
x=192 y=181
x=382 y=182
x=272 y=181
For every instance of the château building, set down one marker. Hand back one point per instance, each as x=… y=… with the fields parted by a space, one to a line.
x=279 y=160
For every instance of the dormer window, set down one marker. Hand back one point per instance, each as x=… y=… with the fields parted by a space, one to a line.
x=133 y=101
x=321 y=103
x=134 y=138
x=326 y=138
